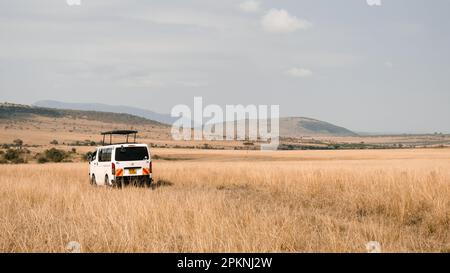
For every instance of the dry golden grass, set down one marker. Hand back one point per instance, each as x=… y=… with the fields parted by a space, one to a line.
x=226 y=201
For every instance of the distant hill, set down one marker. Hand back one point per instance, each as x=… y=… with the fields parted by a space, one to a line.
x=289 y=127
x=99 y=107
x=18 y=111
x=302 y=126
x=297 y=127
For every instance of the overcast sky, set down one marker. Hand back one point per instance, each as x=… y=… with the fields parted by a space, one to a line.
x=369 y=68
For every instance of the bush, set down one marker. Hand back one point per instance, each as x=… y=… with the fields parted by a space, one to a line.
x=18 y=143
x=42 y=160
x=52 y=155
x=55 y=155
x=18 y=161
x=12 y=154
x=54 y=142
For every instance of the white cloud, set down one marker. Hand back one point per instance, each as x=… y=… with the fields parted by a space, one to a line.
x=299 y=72
x=250 y=6
x=281 y=21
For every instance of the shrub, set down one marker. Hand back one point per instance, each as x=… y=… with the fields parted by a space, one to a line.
x=12 y=154
x=42 y=160
x=54 y=142
x=55 y=155
x=206 y=146
x=18 y=143
x=18 y=160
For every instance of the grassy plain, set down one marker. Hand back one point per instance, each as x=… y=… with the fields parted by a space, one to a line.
x=236 y=201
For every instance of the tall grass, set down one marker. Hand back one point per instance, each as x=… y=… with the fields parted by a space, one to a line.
x=236 y=205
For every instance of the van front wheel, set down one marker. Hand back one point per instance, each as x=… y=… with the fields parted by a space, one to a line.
x=93 y=182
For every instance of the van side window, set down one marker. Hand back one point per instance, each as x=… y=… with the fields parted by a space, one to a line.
x=105 y=155
x=99 y=155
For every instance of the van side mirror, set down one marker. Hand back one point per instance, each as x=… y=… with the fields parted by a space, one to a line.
x=91 y=157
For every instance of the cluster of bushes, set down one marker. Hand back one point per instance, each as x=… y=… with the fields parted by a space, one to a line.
x=86 y=142
x=291 y=147
x=14 y=156
x=18 y=156
x=83 y=143
x=341 y=146
x=14 y=153
x=53 y=155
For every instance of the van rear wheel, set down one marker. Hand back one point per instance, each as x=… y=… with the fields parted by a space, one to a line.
x=119 y=183
x=148 y=183
x=106 y=180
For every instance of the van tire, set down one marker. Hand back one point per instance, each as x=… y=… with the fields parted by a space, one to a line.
x=106 y=180
x=148 y=183
x=93 y=181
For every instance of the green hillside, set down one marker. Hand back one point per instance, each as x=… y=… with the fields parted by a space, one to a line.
x=18 y=111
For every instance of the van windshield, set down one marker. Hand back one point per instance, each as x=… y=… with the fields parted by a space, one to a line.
x=131 y=153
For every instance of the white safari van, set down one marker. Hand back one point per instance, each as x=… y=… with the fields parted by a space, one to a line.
x=122 y=163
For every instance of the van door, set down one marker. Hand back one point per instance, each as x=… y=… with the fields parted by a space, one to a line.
x=104 y=165
x=98 y=169
x=93 y=163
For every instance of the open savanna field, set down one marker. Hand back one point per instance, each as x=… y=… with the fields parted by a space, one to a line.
x=236 y=201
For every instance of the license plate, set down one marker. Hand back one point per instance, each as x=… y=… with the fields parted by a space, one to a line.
x=132 y=171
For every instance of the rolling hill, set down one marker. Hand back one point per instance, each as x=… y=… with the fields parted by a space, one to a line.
x=301 y=126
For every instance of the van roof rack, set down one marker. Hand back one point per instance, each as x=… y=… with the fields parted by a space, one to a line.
x=119 y=132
